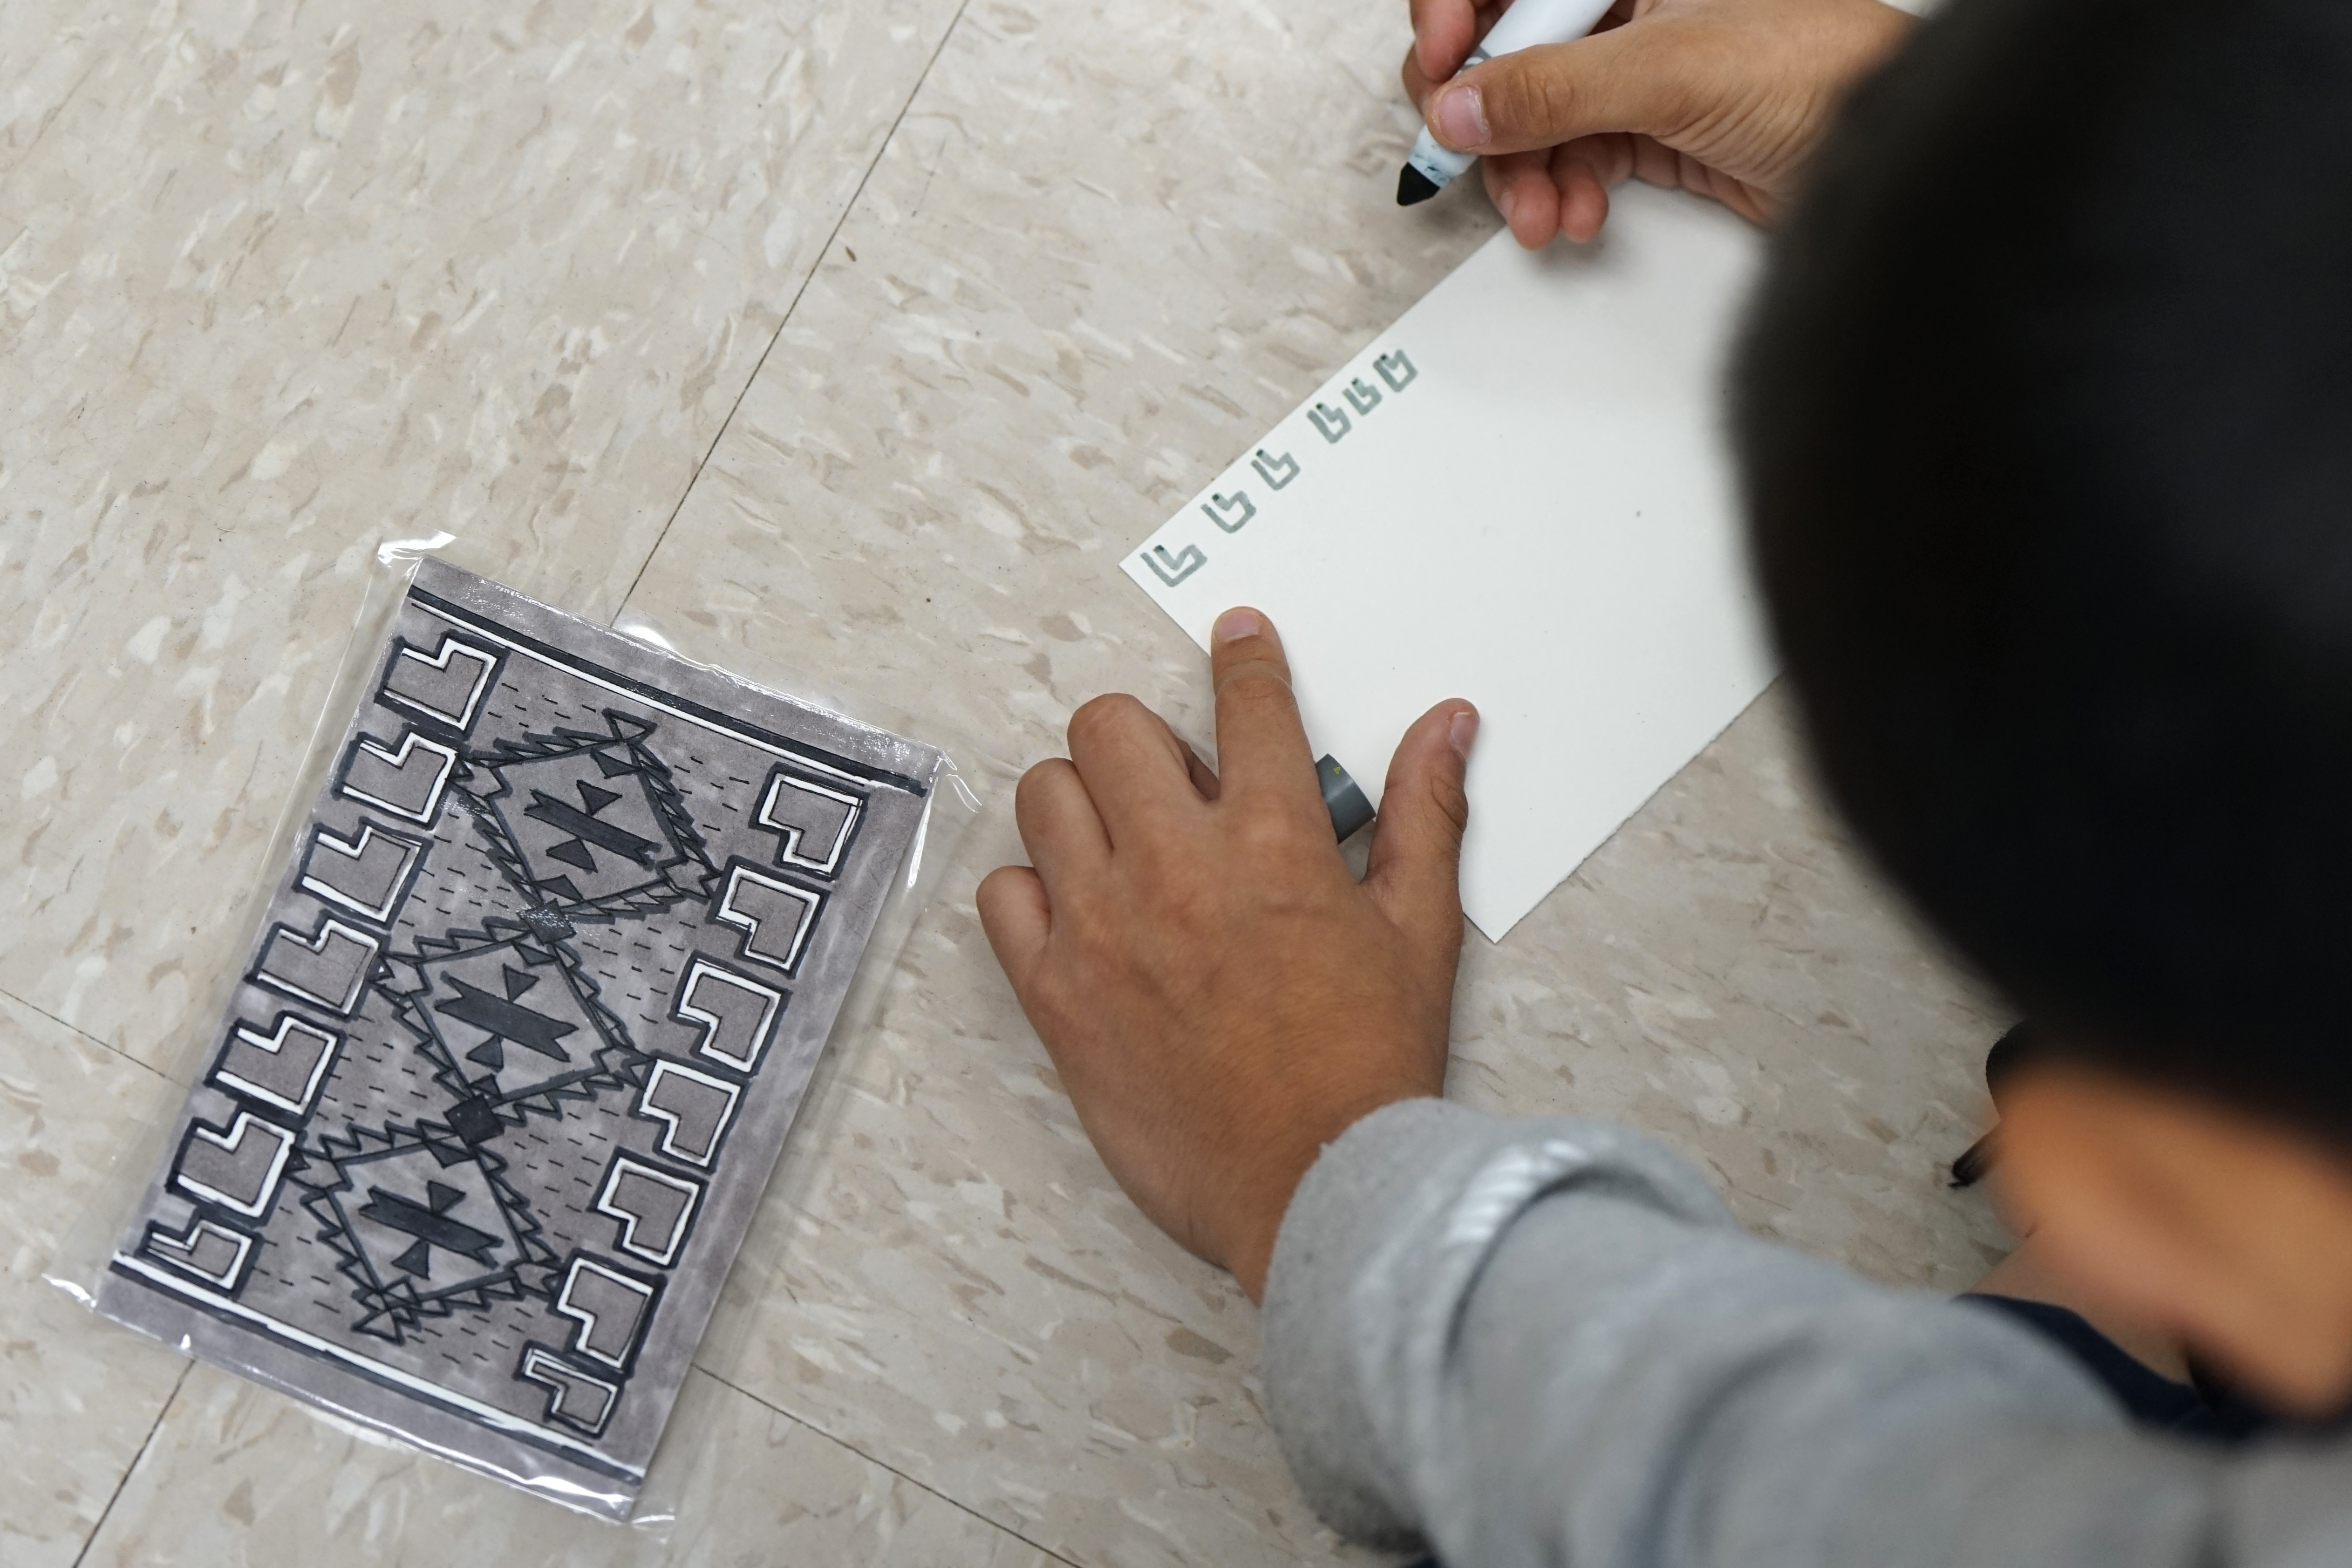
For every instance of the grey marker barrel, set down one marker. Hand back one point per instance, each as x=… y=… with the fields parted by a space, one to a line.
x=1342 y=797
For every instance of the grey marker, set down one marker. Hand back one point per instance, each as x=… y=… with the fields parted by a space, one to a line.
x=1342 y=797
x=1527 y=24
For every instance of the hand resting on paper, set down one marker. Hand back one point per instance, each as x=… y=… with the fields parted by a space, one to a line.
x=1219 y=993
x=1726 y=98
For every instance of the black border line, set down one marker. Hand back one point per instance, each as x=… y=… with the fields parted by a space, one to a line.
x=710 y=716
x=597 y=1464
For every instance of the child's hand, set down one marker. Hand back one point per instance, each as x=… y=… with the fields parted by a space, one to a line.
x=1221 y=995
x=1726 y=98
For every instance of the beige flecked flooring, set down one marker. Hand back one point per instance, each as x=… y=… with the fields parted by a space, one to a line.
x=860 y=339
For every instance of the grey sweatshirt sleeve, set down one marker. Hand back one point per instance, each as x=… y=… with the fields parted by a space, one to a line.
x=1545 y=1343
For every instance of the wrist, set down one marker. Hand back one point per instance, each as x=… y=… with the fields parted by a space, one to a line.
x=1258 y=1216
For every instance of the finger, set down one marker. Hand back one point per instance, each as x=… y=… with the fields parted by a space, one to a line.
x=1414 y=872
x=1058 y=824
x=1261 y=744
x=1521 y=186
x=1623 y=79
x=1583 y=171
x=1443 y=32
x=1016 y=915
x=1418 y=83
x=1133 y=765
x=1203 y=776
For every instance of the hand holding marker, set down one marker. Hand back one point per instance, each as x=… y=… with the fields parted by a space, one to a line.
x=1525 y=24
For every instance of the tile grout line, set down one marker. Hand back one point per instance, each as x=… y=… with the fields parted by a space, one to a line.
x=793 y=306
x=107 y=1046
x=883 y=1464
x=124 y=1479
x=849 y=208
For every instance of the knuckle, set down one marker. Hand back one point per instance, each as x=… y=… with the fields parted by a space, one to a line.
x=1452 y=803
x=1100 y=716
x=1257 y=684
x=1273 y=841
x=1530 y=101
x=1030 y=792
x=1550 y=107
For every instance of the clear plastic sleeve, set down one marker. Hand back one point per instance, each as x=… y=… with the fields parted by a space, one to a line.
x=558 y=923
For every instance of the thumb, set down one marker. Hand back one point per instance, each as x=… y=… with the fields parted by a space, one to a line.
x=1628 y=78
x=1416 y=870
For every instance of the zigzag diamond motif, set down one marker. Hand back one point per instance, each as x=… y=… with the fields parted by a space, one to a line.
x=590 y=826
x=512 y=1022
x=424 y=1224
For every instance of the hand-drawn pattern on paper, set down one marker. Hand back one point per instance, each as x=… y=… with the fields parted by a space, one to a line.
x=1330 y=422
x=520 y=1037
x=590 y=825
x=1277 y=470
x=1230 y=512
x=511 y=1020
x=424 y=1222
x=1173 y=569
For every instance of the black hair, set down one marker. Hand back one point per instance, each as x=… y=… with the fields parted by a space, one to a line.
x=2044 y=412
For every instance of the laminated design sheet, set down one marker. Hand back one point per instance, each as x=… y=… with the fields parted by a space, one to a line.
x=1517 y=494
x=519 y=1039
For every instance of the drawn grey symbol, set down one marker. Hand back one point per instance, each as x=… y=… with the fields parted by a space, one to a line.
x=736 y=1013
x=1330 y=422
x=775 y=917
x=283 y=1068
x=1275 y=472
x=1396 y=370
x=423 y=1224
x=1221 y=509
x=693 y=1108
x=589 y=826
x=578 y=1400
x=817 y=818
x=610 y=1306
x=407 y=780
x=329 y=968
x=238 y=1167
x=1173 y=569
x=510 y=1019
x=655 y=1208
x=212 y=1253
x=368 y=874
x=1362 y=396
x=447 y=684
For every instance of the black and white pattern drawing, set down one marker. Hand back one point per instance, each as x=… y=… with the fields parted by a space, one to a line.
x=520 y=1037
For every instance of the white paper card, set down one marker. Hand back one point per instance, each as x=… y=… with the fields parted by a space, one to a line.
x=1519 y=495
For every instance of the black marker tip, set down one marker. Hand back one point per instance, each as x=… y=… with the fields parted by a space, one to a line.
x=1413 y=187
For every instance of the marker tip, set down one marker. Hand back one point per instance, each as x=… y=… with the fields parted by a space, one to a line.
x=1414 y=187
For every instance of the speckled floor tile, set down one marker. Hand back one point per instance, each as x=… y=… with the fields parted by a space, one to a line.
x=237 y=1475
x=78 y=1397
x=279 y=280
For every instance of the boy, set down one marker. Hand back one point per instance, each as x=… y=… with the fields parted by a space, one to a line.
x=2045 y=417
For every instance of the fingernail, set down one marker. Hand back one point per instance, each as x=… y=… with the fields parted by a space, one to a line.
x=1461 y=119
x=1236 y=624
x=1506 y=202
x=1463 y=731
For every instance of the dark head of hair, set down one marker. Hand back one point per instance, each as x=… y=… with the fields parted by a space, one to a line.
x=2045 y=418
